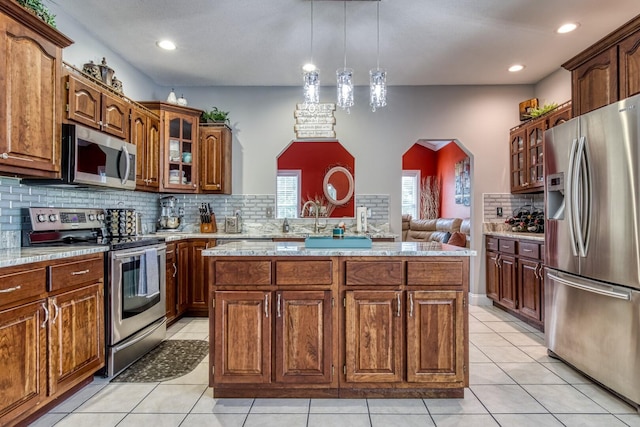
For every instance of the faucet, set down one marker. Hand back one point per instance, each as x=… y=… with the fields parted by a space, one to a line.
x=316 y=208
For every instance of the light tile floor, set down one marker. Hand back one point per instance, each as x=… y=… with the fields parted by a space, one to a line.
x=513 y=383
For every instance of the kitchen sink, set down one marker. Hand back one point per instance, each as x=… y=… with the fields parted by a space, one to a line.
x=328 y=242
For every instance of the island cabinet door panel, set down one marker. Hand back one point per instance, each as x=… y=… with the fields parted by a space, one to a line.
x=23 y=376
x=435 y=336
x=303 y=337
x=76 y=344
x=374 y=336
x=242 y=337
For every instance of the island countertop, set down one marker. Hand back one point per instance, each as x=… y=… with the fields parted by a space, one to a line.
x=298 y=249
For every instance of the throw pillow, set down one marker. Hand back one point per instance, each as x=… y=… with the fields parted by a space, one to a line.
x=458 y=239
x=446 y=237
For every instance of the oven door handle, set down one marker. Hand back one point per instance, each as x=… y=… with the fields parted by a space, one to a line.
x=128 y=254
x=132 y=342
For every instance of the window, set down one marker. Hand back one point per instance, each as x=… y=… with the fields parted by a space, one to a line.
x=410 y=193
x=288 y=193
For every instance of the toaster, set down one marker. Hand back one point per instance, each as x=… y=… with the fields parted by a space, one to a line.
x=232 y=224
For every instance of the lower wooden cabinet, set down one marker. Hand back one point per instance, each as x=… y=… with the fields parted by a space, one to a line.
x=171 y=275
x=182 y=288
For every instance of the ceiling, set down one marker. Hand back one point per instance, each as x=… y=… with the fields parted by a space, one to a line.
x=422 y=42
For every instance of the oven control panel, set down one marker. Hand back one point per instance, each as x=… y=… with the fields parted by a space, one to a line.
x=50 y=219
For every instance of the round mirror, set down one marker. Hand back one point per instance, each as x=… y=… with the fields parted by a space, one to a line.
x=338 y=185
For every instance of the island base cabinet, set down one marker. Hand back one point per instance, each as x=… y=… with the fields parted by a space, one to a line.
x=23 y=352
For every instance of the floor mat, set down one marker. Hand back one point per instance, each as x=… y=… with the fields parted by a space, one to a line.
x=170 y=359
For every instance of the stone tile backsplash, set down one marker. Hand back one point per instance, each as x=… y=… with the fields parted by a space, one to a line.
x=508 y=202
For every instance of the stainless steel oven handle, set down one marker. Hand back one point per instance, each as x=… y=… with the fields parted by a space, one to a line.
x=596 y=289
x=130 y=343
x=127 y=254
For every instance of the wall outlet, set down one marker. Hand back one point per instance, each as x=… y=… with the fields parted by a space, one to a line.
x=269 y=212
x=499 y=211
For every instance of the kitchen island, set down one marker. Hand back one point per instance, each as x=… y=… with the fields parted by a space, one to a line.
x=387 y=321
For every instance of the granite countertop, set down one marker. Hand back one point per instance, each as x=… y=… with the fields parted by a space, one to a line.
x=19 y=256
x=179 y=235
x=538 y=237
x=298 y=249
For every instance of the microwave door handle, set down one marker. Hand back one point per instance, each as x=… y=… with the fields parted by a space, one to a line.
x=127 y=163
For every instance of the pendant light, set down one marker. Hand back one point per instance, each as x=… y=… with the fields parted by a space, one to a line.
x=345 y=76
x=377 y=77
x=311 y=75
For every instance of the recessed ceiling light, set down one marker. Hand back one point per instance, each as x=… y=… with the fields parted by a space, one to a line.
x=515 y=68
x=166 y=45
x=567 y=28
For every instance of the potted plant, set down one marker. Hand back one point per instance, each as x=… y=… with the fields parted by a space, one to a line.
x=215 y=115
x=40 y=10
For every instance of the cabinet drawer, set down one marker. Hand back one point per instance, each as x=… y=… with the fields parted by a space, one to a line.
x=507 y=246
x=304 y=272
x=492 y=243
x=434 y=273
x=17 y=283
x=242 y=273
x=529 y=250
x=373 y=273
x=70 y=274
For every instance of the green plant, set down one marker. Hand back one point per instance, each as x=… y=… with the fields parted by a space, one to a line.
x=541 y=111
x=40 y=10
x=215 y=115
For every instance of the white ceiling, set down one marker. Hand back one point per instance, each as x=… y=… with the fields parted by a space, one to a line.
x=422 y=42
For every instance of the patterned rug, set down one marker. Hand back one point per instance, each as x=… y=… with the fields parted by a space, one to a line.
x=170 y=359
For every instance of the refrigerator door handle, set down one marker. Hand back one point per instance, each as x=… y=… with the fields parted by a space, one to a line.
x=582 y=196
x=571 y=179
x=594 y=288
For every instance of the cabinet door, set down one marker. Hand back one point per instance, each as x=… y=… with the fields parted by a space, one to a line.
x=242 y=349
x=530 y=288
x=435 y=336
x=23 y=352
x=629 y=63
x=374 y=336
x=115 y=116
x=181 y=133
x=76 y=343
x=535 y=161
x=171 y=276
x=215 y=159
x=518 y=165
x=560 y=116
x=30 y=114
x=198 y=290
x=303 y=350
x=493 y=275
x=182 y=255
x=507 y=266
x=138 y=136
x=152 y=154
x=83 y=104
x=595 y=83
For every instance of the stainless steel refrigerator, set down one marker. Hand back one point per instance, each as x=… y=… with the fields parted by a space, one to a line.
x=592 y=245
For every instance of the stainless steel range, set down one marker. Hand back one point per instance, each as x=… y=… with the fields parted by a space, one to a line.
x=135 y=276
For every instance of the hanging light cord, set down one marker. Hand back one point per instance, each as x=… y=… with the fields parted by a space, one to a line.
x=311 y=32
x=345 y=34
x=378 y=20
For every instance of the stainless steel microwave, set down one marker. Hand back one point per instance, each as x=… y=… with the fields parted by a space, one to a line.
x=92 y=158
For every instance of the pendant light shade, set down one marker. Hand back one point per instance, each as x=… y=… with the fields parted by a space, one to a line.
x=311 y=76
x=377 y=77
x=345 y=76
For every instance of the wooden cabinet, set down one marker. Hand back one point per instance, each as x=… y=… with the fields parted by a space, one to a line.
x=144 y=132
x=607 y=71
x=197 y=289
x=171 y=283
x=52 y=332
x=527 y=153
x=514 y=277
x=182 y=256
x=30 y=117
x=179 y=147
x=215 y=159
x=96 y=107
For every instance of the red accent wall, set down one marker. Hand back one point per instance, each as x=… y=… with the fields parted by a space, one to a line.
x=448 y=156
x=315 y=158
x=421 y=158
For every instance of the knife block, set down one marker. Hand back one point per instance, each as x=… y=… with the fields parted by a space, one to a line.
x=208 y=227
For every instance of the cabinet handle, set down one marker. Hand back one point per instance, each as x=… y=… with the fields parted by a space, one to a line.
x=6 y=291
x=278 y=305
x=398 y=301
x=8 y=156
x=77 y=273
x=411 y=304
x=175 y=270
x=527 y=250
x=55 y=315
x=46 y=315
x=266 y=305
x=506 y=246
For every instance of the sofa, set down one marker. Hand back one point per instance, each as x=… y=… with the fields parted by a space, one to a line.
x=438 y=230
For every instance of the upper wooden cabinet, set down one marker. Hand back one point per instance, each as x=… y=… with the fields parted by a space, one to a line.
x=526 y=150
x=179 y=153
x=215 y=159
x=145 y=134
x=607 y=71
x=95 y=107
x=30 y=117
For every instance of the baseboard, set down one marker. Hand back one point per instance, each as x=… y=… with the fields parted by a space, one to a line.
x=479 y=299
